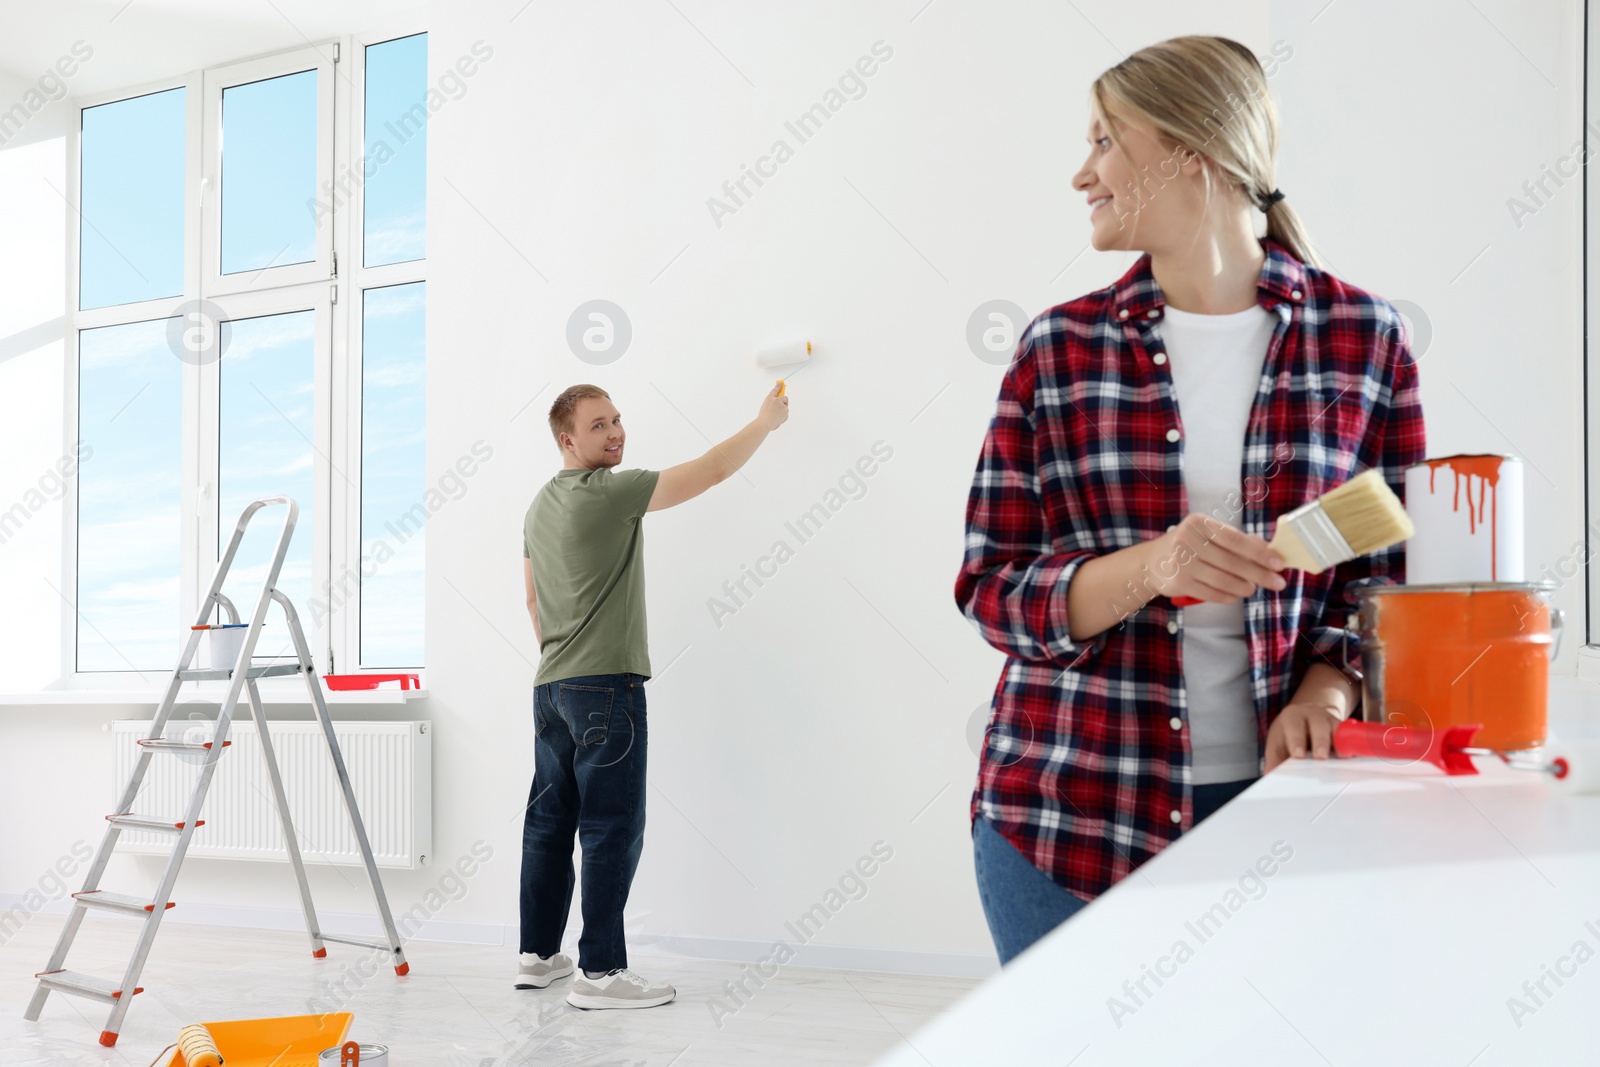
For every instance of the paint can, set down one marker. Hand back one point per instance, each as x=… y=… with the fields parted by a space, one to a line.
x=1467 y=510
x=225 y=641
x=1434 y=656
x=351 y=1054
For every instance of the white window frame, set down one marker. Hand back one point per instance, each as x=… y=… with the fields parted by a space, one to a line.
x=1589 y=654
x=332 y=287
x=217 y=79
x=345 y=620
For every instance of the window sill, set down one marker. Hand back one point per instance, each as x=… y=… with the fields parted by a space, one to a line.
x=1589 y=663
x=192 y=691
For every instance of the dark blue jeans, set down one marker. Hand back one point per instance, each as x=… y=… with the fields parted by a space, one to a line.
x=588 y=782
x=1021 y=902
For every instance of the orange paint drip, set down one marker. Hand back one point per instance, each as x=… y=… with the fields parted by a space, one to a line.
x=1486 y=469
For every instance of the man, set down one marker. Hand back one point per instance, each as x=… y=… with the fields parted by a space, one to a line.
x=583 y=567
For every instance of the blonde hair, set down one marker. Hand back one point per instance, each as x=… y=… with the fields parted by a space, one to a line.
x=564 y=412
x=1210 y=95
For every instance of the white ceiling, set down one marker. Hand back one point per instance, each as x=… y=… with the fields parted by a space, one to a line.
x=145 y=40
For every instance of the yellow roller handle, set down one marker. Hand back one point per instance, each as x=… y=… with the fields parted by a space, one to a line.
x=781 y=386
x=198 y=1047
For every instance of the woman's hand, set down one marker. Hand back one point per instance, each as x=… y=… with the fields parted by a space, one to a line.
x=1300 y=726
x=1323 y=699
x=1205 y=558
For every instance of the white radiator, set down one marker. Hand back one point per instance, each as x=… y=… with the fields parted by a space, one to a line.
x=390 y=765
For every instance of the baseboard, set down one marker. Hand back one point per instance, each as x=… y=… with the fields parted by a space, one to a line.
x=832 y=957
x=811 y=954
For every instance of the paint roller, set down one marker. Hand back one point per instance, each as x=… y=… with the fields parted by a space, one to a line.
x=1572 y=766
x=784 y=355
x=197 y=1047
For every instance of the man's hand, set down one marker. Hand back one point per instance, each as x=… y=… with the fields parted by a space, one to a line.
x=774 y=410
x=1205 y=558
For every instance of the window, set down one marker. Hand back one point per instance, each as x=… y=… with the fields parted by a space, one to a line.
x=397 y=151
x=265 y=428
x=250 y=324
x=133 y=164
x=391 y=475
x=130 y=406
x=269 y=172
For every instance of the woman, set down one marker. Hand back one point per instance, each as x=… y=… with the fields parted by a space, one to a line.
x=1147 y=438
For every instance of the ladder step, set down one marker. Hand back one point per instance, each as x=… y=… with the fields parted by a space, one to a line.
x=83 y=985
x=381 y=946
x=147 y=822
x=99 y=898
x=220 y=674
x=162 y=744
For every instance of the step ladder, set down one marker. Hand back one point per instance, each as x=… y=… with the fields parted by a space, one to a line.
x=242 y=678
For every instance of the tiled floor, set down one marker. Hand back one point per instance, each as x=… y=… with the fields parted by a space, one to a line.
x=456 y=1009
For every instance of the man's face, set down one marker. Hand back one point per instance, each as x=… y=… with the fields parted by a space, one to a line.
x=597 y=436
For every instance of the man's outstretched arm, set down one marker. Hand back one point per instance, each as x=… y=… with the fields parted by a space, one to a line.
x=688 y=480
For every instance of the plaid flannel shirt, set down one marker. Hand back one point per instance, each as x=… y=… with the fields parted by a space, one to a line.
x=1086 y=763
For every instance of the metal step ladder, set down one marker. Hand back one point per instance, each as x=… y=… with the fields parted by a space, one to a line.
x=242 y=677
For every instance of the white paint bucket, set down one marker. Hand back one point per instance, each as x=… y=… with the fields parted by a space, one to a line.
x=347 y=1055
x=1468 y=513
x=224 y=643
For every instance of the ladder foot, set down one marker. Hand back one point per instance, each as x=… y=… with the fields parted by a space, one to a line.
x=319 y=953
x=403 y=970
x=108 y=1038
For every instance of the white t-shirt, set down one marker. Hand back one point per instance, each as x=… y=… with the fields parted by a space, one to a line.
x=1216 y=363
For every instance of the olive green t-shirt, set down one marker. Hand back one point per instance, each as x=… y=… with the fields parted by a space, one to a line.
x=585 y=540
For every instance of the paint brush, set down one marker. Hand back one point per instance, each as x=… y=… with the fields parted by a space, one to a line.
x=1354 y=519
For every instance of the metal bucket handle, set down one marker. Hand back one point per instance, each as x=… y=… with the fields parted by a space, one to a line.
x=1352 y=623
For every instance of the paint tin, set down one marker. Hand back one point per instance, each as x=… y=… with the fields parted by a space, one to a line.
x=226 y=641
x=1434 y=656
x=352 y=1055
x=1467 y=510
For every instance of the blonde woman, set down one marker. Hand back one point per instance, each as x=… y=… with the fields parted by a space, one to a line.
x=1147 y=437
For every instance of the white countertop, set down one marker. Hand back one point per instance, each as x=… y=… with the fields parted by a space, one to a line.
x=1412 y=907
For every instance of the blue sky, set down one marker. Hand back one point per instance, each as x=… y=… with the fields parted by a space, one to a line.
x=132 y=200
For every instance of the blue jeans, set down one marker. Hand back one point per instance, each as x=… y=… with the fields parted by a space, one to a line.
x=588 y=782
x=1021 y=902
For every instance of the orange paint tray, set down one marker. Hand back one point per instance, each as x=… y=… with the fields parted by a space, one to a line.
x=292 y=1041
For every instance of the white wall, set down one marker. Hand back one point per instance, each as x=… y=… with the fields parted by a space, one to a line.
x=33 y=176
x=833 y=709
x=1407 y=135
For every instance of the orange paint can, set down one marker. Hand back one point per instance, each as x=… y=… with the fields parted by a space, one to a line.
x=1449 y=654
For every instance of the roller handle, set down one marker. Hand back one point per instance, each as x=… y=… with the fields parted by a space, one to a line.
x=1356 y=738
x=1442 y=748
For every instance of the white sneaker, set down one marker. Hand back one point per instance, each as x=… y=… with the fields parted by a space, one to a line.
x=620 y=988
x=536 y=972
